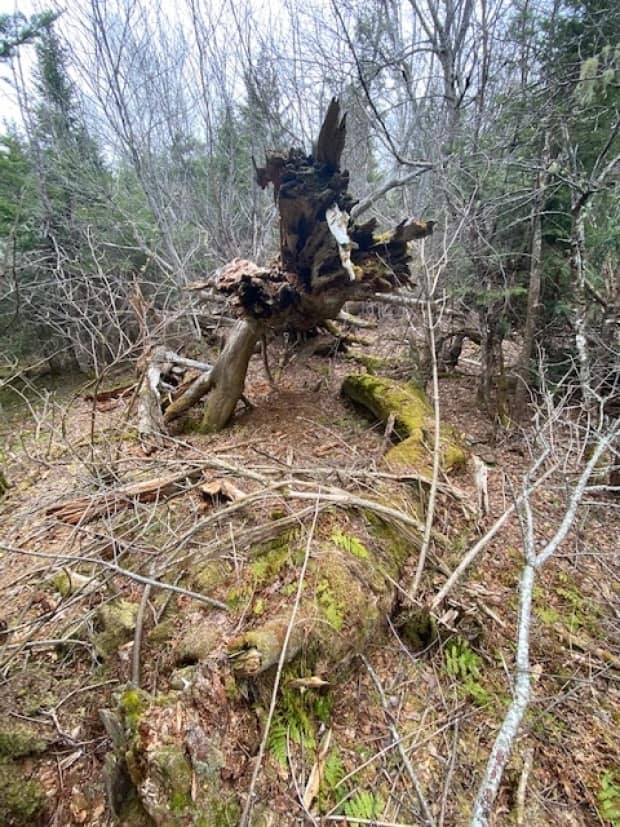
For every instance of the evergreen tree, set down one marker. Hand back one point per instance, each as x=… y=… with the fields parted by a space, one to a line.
x=17 y=30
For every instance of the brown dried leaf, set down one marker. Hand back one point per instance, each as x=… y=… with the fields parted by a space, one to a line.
x=313 y=787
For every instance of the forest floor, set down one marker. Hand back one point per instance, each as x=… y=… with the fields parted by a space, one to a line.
x=63 y=659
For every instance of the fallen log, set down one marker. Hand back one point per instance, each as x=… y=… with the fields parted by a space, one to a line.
x=86 y=508
x=407 y=407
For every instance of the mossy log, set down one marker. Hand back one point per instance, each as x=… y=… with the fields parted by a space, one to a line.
x=407 y=405
x=326 y=259
x=348 y=590
x=180 y=757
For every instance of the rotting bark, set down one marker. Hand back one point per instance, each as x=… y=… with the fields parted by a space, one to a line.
x=81 y=510
x=326 y=259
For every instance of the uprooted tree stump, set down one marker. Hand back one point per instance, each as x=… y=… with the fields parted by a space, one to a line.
x=326 y=259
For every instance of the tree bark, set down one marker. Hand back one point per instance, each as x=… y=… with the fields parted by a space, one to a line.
x=228 y=375
x=535 y=281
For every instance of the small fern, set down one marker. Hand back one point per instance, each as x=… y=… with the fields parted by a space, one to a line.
x=277 y=742
x=464 y=664
x=364 y=805
x=323 y=707
x=609 y=798
x=350 y=544
x=333 y=771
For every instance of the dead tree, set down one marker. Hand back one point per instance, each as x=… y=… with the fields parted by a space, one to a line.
x=326 y=259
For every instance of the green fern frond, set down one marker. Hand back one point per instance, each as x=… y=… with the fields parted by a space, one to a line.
x=364 y=805
x=277 y=742
x=333 y=771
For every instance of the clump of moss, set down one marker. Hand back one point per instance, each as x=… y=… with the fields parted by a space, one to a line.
x=118 y=621
x=347 y=542
x=132 y=704
x=170 y=765
x=162 y=632
x=373 y=364
x=19 y=739
x=271 y=558
x=413 y=420
x=197 y=642
x=396 y=544
x=224 y=812
x=211 y=575
x=22 y=800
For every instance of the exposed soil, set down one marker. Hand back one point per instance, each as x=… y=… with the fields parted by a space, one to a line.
x=57 y=672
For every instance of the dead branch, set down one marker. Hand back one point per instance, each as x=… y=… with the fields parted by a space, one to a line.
x=132 y=575
x=87 y=508
x=504 y=741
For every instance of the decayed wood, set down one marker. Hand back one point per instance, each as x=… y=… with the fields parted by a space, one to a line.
x=118 y=392
x=87 y=508
x=150 y=417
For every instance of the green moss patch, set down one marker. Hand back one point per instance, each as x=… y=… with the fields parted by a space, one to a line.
x=197 y=642
x=18 y=739
x=22 y=800
x=118 y=621
x=413 y=421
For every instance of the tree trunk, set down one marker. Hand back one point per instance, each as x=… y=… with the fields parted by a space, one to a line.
x=535 y=281
x=228 y=375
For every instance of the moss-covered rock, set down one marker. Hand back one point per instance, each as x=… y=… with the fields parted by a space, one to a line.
x=413 y=421
x=22 y=800
x=118 y=621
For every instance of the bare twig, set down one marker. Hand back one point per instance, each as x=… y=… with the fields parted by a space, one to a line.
x=528 y=760
x=428 y=816
x=139 y=578
x=507 y=734
x=482 y=543
x=137 y=638
x=432 y=497
x=450 y=772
